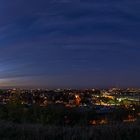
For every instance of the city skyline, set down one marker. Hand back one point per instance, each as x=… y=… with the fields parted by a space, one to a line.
x=70 y=43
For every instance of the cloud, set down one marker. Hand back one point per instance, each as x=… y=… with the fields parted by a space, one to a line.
x=69 y=37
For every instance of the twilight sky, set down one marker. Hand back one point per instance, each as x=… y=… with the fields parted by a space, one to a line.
x=69 y=43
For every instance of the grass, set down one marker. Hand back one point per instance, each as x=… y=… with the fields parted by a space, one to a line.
x=13 y=131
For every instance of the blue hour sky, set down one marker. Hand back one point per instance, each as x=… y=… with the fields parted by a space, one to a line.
x=69 y=43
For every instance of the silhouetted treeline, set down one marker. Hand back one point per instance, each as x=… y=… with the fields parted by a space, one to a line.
x=58 y=114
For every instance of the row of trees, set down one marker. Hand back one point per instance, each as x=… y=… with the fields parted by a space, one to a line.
x=56 y=114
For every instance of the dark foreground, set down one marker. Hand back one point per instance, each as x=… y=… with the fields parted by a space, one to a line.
x=12 y=131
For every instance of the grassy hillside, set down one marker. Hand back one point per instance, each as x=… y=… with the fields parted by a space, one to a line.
x=12 y=131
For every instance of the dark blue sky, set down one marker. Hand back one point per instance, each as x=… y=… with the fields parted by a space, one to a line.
x=70 y=43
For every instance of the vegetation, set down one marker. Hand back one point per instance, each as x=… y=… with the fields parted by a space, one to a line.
x=12 y=131
x=58 y=114
x=55 y=122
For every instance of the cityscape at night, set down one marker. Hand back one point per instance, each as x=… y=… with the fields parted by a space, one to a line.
x=69 y=70
x=94 y=102
x=71 y=108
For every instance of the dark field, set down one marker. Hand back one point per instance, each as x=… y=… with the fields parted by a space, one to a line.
x=12 y=131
